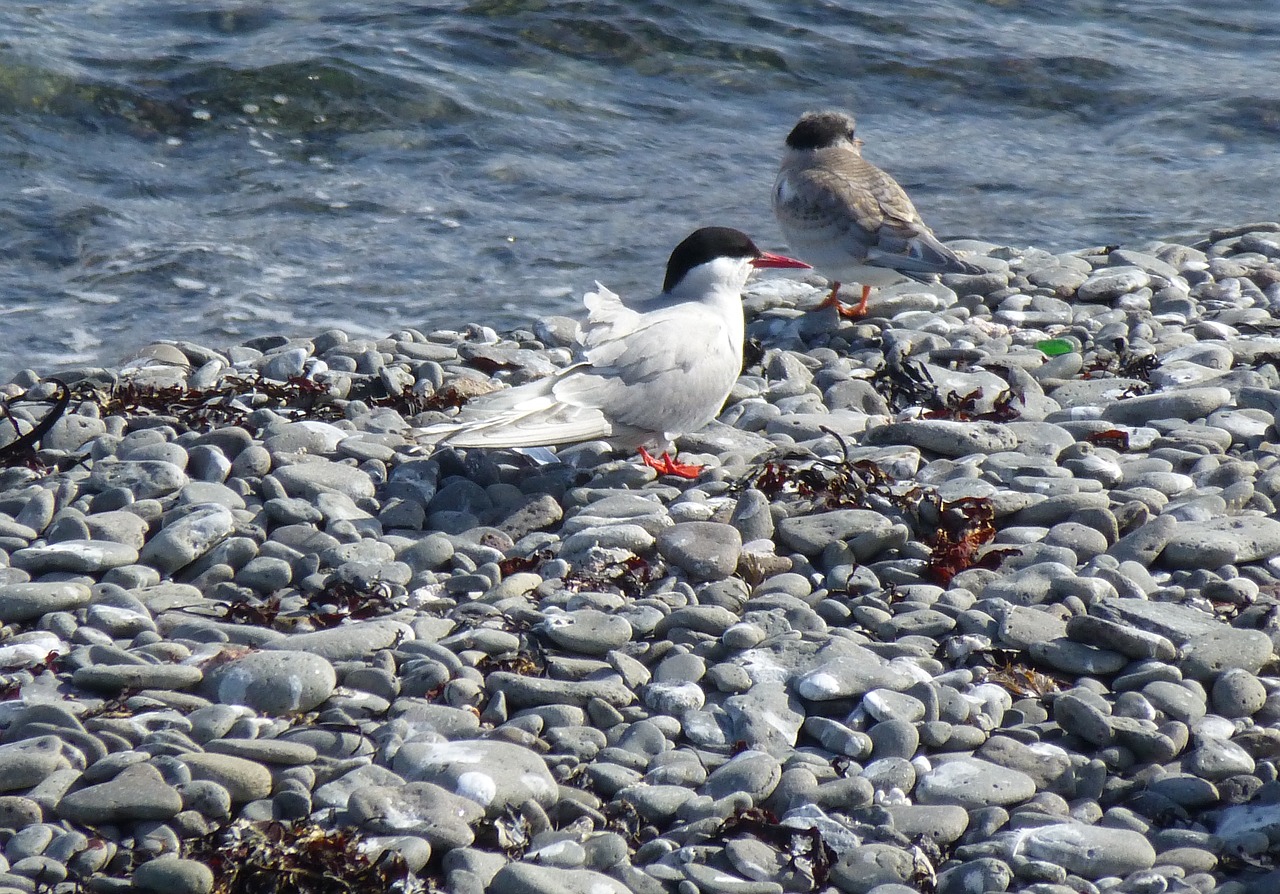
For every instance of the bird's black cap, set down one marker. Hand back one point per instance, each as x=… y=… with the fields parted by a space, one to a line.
x=818 y=130
x=706 y=245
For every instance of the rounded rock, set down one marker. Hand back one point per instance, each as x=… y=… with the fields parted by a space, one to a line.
x=273 y=682
x=173 y=875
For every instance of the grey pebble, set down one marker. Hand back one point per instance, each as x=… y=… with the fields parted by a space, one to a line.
x=277 y=682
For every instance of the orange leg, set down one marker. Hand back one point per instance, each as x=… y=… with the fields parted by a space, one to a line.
x=665 y=465
x=843 y=309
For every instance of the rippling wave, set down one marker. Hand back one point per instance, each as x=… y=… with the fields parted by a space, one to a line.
x=230 y=169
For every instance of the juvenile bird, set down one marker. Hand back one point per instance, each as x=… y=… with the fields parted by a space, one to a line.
x=848 y=218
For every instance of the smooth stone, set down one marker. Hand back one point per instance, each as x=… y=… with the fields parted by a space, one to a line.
x=137 y=793
x=1091 y=852
x=74 y=556
x=704 y=550
x=119 y=677
x=354 y=641
x=173 y=875
x=940 y=823
x=188 y=538
x=494 y=774
x=273 y=682
x=1238 y=693
x=587 y=631
x=811 y=534
x=865 y=868
x=26 y=762
x=718 y=881
x=146 y=479
x=308 y=480
x=944 y=437
x=973 y=783
x=244 y=780
x=755 y=773
x=1209 y=654
x=265 y=751
x=1120 y=638
x=1184 y=403
x=854 y=673
x=1231 y=540
x=417 y=808
x=529 y=878
x=27 y=601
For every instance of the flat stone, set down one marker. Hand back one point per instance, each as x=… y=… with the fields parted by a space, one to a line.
x=1091 y=852
x=274 y=682
x=587 y=631
x=146 y=479
x=811 y=534
x=494 y=774
x=74 y=556
x=1209 y=654
x=173 y=875
x=244 y=780
x=1230 y=540
x=137 y=793
x=1183 y=403
x=28 y=601
x=529 y=692
x=26 y=762
x=264 y=751
x=190 y=537
x=356 y=641
x=973 y=783
x=944 y=437
x=119 y=677
x=704 y=550
x=529 y=878
x=854 y=673
x=417 y=808
x=310 y=479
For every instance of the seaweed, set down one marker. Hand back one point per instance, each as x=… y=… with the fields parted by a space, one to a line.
x=904 y=383
x=22 y=450
x=964 y=408
x=342 y=600
x=804 y=849
x=957 y=532
x=338 y=601
x=1123 y=362
x=965 y=526
x=229 y=402
x=1114 y=438
x=273 y=857
x=907 y=383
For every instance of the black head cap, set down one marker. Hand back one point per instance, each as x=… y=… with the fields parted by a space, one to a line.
x=706 y=245
x=818 y=130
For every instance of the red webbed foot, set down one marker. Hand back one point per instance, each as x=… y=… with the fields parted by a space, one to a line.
x=665 y=465
x=860 y=310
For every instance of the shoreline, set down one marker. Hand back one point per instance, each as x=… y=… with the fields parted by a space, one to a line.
x=979 y=589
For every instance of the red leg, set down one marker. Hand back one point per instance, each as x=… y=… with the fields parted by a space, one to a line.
x=665 y=465
x=861 y=309
x=843 y=309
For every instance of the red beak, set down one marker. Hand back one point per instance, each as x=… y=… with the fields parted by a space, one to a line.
x=768 y=259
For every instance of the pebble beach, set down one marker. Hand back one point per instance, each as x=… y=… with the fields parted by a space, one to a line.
x=976 y=593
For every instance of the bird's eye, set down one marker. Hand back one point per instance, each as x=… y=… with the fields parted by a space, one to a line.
x=850 y=133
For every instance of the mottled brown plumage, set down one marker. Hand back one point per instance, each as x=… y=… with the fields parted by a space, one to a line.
x=848 y=218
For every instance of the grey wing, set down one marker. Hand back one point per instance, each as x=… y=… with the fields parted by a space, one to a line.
x=880 y=221
x=530 y=415
x=672 y=375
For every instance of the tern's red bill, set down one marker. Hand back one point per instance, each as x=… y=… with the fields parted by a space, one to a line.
x=769 y=259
